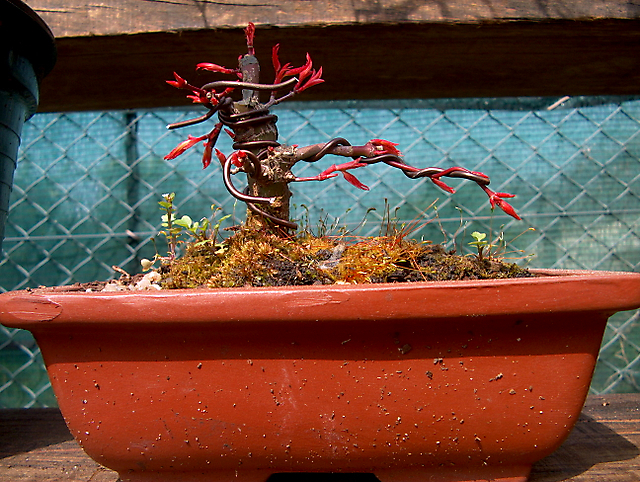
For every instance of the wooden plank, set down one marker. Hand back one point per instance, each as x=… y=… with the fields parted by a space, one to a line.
x=363 y=61
x=36 y=446
x=73 y=18
x=604 y=445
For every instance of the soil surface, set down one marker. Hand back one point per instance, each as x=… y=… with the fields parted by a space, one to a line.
x=249 y=258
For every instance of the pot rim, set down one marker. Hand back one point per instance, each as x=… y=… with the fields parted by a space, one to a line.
x=552 y=291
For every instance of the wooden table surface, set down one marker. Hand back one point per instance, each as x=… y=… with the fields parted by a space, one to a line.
x=35 y=445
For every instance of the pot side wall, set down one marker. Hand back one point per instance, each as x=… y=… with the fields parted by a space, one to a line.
x=503 y=391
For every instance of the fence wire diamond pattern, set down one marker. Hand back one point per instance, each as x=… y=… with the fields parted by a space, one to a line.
x=87 y=185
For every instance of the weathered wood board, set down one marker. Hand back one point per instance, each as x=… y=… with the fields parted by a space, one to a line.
x=117 y=54
x=79 y=18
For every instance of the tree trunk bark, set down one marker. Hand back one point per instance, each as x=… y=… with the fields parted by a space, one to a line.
x=271 y=181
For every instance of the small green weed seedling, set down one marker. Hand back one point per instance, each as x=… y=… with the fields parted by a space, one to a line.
x=481 y=244
x=201 y=233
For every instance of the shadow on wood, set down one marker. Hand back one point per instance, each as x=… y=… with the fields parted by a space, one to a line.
x=590 y=443
x=27 y=430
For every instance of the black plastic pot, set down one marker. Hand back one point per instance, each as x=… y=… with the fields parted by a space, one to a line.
x=27 y=54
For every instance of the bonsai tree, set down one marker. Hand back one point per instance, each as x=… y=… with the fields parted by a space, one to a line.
x=268 y=164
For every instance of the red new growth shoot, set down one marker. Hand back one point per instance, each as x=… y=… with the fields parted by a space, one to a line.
x=215 y=68
x=307 y=76
x=206 y=157
x=333 y=170
x=179 y=83
x=442 y=185
x=313 y=80
x=238 y=158
x=183 y=146
x=381 y=146
x=221 y=157
x=199 y=98
x=497 y=199
x=250 y=33
x=280 y=70
x=354 y=181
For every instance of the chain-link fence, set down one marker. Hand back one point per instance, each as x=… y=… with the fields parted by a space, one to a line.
x=87 y=185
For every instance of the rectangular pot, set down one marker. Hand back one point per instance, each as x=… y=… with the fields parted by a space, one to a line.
x=443 y=381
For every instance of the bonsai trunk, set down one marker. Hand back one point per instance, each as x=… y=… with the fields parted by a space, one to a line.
x=274 y=175
x=279 y=209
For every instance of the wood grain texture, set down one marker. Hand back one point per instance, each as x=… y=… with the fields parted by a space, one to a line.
x=604 y=445
x=35 y=445
x=73 y=18
x=116 y=54
x=364 y=61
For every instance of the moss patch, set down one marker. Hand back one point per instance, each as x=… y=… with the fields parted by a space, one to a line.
x=251 y=258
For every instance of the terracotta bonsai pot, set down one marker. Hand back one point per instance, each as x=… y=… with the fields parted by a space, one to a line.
x=443 y=381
